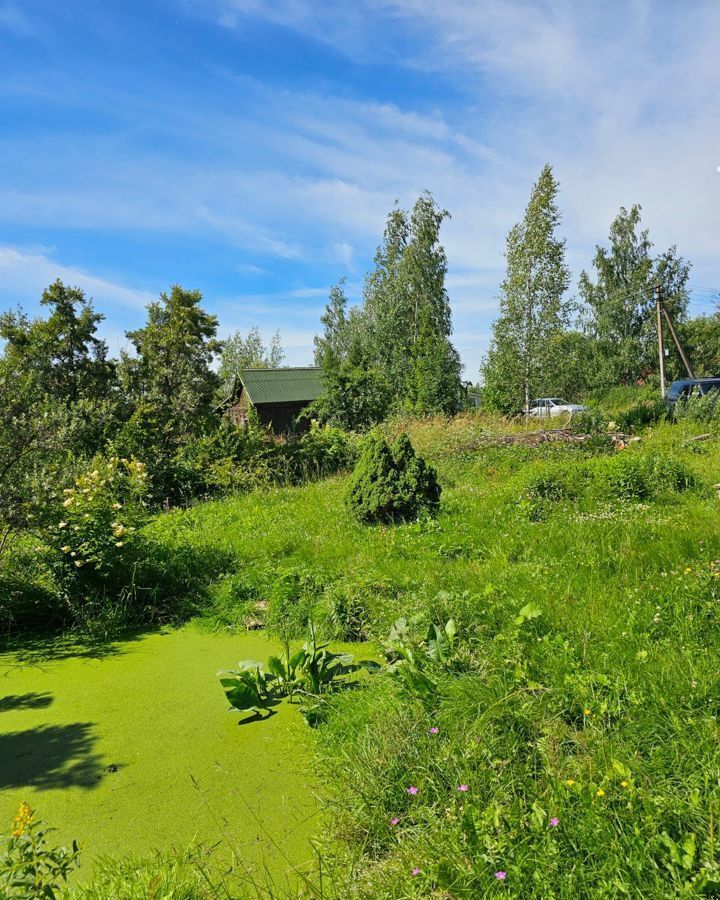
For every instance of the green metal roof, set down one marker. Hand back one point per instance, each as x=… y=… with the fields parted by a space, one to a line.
x=283 y=385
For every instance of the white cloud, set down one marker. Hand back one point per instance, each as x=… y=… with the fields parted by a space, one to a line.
x=25 y=274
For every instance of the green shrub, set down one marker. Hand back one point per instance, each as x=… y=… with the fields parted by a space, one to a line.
x=233 y=459
x=642 y=414
x=703 y=410
x=96 y=535
x=633 y=476
x=391 y=483
x=549 y=484
x=625 y=475
x=590 y=421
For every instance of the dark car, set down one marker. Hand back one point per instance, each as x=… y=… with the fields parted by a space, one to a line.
x=692 y=387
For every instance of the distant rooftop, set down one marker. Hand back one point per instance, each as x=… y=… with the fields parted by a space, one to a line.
x=296 y=385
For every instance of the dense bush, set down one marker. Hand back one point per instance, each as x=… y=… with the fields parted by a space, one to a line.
x=634 y=476
x=95 y=536
x=233 y=459
x=704 y=409
x=641 y=415
x=392 y=483
x=590 y=421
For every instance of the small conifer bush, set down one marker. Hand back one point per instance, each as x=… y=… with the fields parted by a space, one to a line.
x=391 y=483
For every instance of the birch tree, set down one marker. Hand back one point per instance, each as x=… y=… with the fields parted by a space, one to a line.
x=522 y=359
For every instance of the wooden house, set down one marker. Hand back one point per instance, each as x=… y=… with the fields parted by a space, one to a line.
x=278 y=396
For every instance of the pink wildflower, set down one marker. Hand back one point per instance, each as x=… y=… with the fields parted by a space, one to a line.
x=412 y=790
x=434 y=730
x=463 y=787
x=554 y=822
x=394 y=821
x=501 y=876
x=416 y=871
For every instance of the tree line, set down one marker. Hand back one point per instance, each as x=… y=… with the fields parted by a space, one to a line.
x=63 y=399
x=547 y=343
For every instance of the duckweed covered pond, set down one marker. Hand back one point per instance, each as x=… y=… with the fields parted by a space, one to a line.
x=133 y=750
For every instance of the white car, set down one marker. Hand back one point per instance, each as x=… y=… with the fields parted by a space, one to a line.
x=553 y=406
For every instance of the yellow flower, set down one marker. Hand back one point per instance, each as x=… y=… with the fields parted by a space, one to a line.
x=79 y=563
x=66 y=549
x=22 y=819
x=570 y=782
x=688 y=571
x=67 y=502
x=624 y=784
x=117 y=506
x=599 y=792
x=586 y=712
x=62 y=524
x=119 y=543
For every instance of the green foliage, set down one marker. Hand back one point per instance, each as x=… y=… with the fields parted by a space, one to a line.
x=700 y=337
x=526 y=354
x=169 y=383
x=249 y=352
x=391 y=483
x=702 y=409
x=619 y=304
x=31 y=869
x=625 y=475
x=57 y=400
x=63 y=351
x=173 y=876
x=95 y=532
x=630 y=476
x=592 y=421
x=312 y=671
x=642 y=414
x=393 y=352
x=418 y=663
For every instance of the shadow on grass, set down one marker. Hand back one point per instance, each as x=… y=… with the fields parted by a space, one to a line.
x=51 y=756
x=34 y=649
x=25 y=701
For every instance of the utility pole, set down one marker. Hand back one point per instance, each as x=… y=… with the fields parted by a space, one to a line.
x=676 y=340
x=661 y=348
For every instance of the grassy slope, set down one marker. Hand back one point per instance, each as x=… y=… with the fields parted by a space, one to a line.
x=614 y=682
x=153 y=707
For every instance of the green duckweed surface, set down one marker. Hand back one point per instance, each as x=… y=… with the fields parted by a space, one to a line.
x=134 y=750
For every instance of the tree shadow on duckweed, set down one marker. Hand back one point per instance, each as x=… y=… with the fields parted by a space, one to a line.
x=32 y=700
x=50 y=756
x=34 y=649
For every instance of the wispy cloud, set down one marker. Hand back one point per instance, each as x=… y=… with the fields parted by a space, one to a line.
x=24 y=274
x=293 y=180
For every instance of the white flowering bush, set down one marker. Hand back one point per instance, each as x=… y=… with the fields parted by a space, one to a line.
x=95 y=531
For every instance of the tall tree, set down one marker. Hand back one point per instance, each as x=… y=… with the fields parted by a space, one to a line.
x=332 y=347
x=619 y=304
x=249 y=352
x=399 y=340
x=170 y=379
x=523 y=359
x=63 y=351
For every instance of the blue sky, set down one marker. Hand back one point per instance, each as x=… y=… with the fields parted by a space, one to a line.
x=253 y=149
